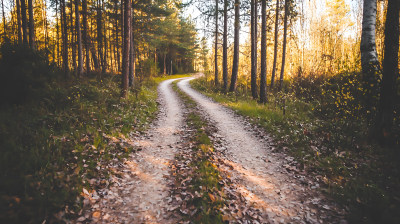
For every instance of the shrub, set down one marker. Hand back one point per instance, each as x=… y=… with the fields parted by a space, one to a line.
x=24 y=73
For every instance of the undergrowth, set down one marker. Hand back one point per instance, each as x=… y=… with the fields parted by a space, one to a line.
x=56 y=139
x=362 y=176
x=204 y=175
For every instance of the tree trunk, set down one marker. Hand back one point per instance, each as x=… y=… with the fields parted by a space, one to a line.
x=4 y=21
x=19 y=22
x=369 y=57
x=79 y=38
x=24 y=23
x=57 y=38
x=390 y=74
x=64 y=38
x=131 y=50
x=275 y=44
x=100 y=34
x=127 y=40
x=165 y=64
x=284 y=43
x=85 y=34
x=31 y=25
x=235 y=64
x=73 y=39
x=117 y=37
x=46 y=33
x=263 y=81
x=253 y=34
x=225 y=48
x=216 y=45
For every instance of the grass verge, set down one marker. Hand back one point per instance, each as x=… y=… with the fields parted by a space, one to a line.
x=202 y=179
x=59 y=145
x=363 y=177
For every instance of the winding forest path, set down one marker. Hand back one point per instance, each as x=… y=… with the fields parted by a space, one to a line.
x=142 y=188
x=258 y=170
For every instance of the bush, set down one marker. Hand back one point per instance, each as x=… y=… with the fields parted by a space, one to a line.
x=24 y=73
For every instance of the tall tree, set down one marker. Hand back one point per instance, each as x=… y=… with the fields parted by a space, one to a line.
x=390 y=73
x=285 y=21
x=4 y=20
x=64 y=37
x=254 y=24
x=263 y=81
x=132 y=49
x=225 y=47
x=126 y=48
x=85 y=34
x=100 y=34
x=19 y=27
x=275 y=44
x=78 y=38
x=216 y=44
x=73 y=38
x=235 y=64
x=369 y=56
x=31 y=25
x=24 y=23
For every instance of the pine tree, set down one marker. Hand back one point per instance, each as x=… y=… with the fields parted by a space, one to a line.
x=235 y=65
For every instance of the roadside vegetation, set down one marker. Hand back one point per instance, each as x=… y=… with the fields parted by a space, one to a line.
x=319 y=122
x=196 y=169
x=59 y=138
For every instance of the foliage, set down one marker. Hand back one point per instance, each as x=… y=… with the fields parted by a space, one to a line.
x=24 y=73
x=322 y=124
x=55 y=143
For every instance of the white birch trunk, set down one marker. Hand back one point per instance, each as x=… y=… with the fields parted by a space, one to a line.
x=369 y=58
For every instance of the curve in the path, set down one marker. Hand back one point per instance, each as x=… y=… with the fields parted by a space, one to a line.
x=259 y=173
x=141 y=197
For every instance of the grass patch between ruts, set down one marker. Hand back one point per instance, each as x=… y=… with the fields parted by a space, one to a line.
x=204 y=175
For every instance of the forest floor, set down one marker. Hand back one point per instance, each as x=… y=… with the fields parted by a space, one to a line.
x=200 y=162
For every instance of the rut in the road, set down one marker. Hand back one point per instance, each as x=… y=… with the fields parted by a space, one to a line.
x=259 y=173
x=139 y=195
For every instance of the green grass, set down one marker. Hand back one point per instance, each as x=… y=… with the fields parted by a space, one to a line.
x=54 y=145
x=204 y=175
x=360 y=175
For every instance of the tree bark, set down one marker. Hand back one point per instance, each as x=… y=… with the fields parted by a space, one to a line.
x=284 y=43
x=369 y=58
x=126 y=49
x=165 y=64
x=254 y=9
x=19 y=27
x=216 y=45
x=24 y=23
x=235 y=64
x=79 y=38
x=85 y=35
x=64 y=38
x=4 y=21
x=100 y=34
x=225 y=48
x=275 y=45
x=57 y=45
x=117 y=38
x=73 y=39
x=263 y=82
x=131 y=50
x=31 y=25
x=390 y=74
